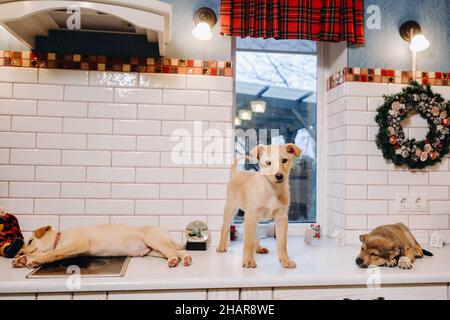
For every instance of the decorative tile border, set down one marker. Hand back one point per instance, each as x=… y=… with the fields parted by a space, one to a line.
x=353 y=74
x=119 y=64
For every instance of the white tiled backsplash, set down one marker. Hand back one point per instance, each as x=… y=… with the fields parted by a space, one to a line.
x=82 y=148
x=361 y=185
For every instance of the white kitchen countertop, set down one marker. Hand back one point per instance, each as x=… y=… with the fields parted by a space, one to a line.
x=320 y=264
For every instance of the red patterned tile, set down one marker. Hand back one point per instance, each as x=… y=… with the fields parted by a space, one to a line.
x=182 y=70
x=124 y=64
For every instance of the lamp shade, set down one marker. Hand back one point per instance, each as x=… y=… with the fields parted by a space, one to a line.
x=202 y=31
x=258 y=106
x=245 y=115
x=419 y=43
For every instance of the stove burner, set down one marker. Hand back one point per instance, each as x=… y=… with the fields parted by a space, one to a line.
x=85 y=266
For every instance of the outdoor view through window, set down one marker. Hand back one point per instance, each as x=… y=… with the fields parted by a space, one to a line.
x=276 y=86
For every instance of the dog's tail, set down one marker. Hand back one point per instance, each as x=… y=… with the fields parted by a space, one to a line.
x=427 y=253
x=235 y=163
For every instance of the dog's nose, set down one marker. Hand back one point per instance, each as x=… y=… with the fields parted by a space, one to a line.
x=359 y=261
x=279 y=176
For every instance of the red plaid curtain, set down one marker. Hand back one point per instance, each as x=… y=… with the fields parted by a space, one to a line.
x=318 y=20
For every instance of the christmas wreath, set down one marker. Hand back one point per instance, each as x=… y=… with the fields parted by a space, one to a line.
x=391 y=139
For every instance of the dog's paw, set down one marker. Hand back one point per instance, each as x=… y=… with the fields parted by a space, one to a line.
x=405 y=263
x=187 y=260
x=288 y=263
x=172 y=262
x=249 y=262
x=33 y=263
x=391 y=263
x=222 y=248
x=19 y=262
x=262 y=250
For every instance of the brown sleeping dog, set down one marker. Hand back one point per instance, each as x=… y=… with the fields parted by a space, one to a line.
x=390 y=245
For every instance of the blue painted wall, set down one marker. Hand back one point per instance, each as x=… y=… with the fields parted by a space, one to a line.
x=386 y=49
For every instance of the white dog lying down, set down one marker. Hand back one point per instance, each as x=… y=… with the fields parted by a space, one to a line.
x=47 y=245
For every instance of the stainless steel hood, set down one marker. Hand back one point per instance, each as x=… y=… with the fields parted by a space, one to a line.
x=28 y=19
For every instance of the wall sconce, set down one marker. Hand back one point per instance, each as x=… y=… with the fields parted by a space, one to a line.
x=237 y=121
x=411 y=31
x=258 y=106
x=204 y=19
x=246 y=115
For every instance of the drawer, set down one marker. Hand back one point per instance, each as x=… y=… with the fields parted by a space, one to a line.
x=17 y=296
x=403 y=292
x=158 y=295
x=223 y=294
x=54 y=296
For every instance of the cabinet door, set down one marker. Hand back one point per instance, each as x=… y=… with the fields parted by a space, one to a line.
x=158 y=295
x=256 y=294
x=223 y=294
x=89 y=296
x=17 y=296
x=403 y=292
x=55 y=296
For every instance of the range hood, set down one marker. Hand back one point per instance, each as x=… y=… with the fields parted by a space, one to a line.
x=27 y=20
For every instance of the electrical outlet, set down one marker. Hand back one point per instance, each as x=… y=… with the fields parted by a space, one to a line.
x=419 y=202
x=402 y=202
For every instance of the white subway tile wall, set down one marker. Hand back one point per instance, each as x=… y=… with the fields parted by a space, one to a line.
x=362 y=185
x=80 y=148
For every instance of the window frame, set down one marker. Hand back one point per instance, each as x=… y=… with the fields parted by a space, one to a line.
x=298 y=228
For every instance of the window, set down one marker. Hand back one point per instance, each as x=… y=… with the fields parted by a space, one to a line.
x=276 y=86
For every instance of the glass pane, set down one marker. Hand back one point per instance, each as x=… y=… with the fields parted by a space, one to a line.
x=272 y=45
x=285 y=84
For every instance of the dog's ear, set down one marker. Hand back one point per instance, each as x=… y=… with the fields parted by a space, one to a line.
x=397 y=249
x=257 y=151
x=39 y=233
x=293 y=149
x=363 y=237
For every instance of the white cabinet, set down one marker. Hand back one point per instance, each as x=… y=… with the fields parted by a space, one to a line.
x=403 y=292
x=388 y=292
